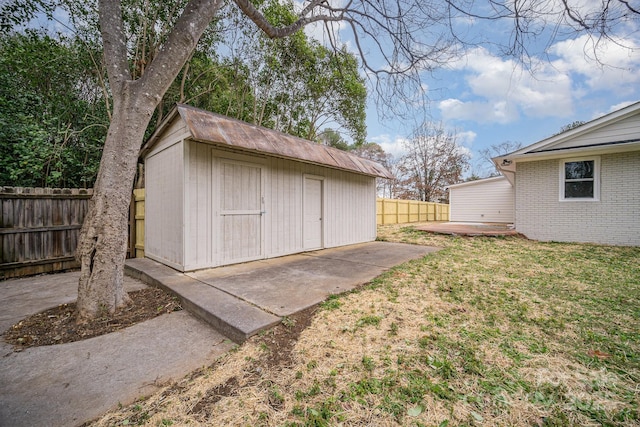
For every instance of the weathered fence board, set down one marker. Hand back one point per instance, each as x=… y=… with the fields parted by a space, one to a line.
x=39 y=229
x=393 y=211
x=138 y=217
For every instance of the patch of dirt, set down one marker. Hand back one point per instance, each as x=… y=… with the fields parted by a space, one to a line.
x=278 y=343
x=58 y=325
x=280 y=340
x=229 y=388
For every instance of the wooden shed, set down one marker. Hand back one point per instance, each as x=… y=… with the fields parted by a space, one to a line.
x=220 y=191
x=483 y=200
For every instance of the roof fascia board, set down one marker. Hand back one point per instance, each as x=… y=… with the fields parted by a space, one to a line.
x=559 y=154
x=591 y=126
x=477 y=181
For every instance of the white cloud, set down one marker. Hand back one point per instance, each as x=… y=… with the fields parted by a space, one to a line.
x=466 y=138
x=391 y=145
x=620 y=106
x=612 y=108
x=479 y=111
x=606 y=65
x=502 y=90
x=397 y=146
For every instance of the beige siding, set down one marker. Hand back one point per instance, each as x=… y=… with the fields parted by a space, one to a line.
x=175 y=133
x=241 y=213
x=626 y=129
x=164 y=206
x=350 y=209
x=489 y=200
x=283 y=206
x=614 y=219
x=186 y=227
x=198 y=206
x=348 y=205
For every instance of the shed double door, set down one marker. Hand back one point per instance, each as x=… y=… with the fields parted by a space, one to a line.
x=241 y=213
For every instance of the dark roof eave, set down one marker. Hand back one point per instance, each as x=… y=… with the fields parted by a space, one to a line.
x=603 y=144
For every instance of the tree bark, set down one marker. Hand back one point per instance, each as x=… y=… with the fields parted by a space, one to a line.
x=102 y=248
x=103 y=238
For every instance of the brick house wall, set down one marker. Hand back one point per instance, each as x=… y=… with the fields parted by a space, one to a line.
x=614 y=219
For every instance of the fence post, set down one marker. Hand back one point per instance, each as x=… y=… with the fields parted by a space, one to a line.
x=139 y=196
x=131 y=250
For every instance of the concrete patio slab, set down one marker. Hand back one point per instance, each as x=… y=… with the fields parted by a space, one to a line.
x=230 y=315
x=286 y=285
x=380 y=254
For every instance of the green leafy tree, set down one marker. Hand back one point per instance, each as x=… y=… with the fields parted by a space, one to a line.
x=299 y=86
x=331 y=138
x=385 y=187
x=294 y=85
x=52 y=116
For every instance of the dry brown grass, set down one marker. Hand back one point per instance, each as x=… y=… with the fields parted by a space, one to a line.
x=485 y=332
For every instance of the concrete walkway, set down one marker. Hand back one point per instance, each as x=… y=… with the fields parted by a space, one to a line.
x=69 y=384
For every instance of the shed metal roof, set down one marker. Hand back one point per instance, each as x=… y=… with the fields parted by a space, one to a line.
x=213 y=128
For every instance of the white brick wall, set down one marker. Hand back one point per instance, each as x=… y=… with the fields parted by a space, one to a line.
x=615 y=219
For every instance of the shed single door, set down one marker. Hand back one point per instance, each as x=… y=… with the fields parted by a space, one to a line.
x=241 y=212
x=312 y=200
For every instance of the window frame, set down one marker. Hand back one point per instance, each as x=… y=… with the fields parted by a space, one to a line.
x=596 y=179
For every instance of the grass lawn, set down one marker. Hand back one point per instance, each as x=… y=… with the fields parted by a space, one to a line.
x=487 y=331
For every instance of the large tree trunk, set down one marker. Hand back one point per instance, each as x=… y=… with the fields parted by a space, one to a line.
x=103 y=240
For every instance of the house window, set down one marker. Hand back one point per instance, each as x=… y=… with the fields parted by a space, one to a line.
x=580 y=179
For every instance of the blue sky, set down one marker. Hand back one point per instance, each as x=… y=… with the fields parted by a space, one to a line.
x=488 y=99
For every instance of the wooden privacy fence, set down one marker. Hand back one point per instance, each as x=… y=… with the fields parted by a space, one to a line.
x=393 y=211
x=39 y=229
x=136 y=237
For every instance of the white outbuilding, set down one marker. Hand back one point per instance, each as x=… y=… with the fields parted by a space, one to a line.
x=220 y=191
x=483 y=200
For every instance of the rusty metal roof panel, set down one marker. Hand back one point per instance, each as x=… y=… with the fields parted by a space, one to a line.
x=342 y=159
x=201 y=125
x=214 y=128
x=280 y=147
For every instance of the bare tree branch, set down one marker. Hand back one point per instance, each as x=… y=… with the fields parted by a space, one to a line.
x=274 y=32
